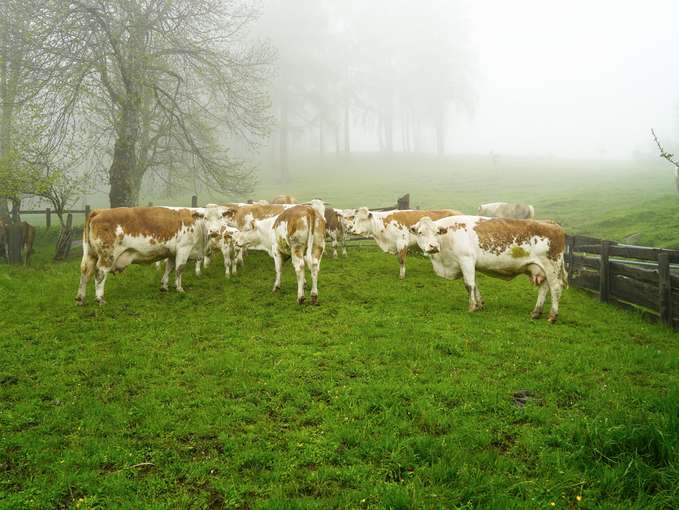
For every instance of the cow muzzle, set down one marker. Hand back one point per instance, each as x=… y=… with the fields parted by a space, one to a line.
x=432 y=249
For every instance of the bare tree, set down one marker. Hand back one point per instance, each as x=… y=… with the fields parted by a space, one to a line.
x=158 y=80
x=669 y=157
x=23 y=75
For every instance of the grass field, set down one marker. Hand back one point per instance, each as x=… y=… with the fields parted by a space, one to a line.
x=388 y=395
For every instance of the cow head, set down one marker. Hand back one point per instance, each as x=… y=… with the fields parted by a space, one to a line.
x=346 y=217
x=361 y=223
x=426 y=232
x=215 y=222
x=248 y=235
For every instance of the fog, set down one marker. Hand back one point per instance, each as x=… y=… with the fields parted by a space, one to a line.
x=132 y=100
x=571 y=79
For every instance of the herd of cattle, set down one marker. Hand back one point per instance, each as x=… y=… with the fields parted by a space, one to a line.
x=503 y=241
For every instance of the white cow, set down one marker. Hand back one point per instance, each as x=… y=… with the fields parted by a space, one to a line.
x=506 y=210
x=299 y=232
x=390 y=229
x=461 y=245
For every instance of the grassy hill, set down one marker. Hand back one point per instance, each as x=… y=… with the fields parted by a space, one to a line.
x=601 y=198
x=388 y=395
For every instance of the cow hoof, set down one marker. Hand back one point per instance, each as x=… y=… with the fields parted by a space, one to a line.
x=552 y=318
x=180 y=290
x=300 y=300
x=536 y=314
x=79 y=301
x=276 y=289
x=314 y=299
x=163 y=289
x=101 y=301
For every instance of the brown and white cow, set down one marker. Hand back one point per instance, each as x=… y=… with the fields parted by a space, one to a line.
x=239 y=215
x=390 y=229
x=298 y=232
x=284 y=199
x=116 y=238
x=27 y=234
x=506 y=210
x=334 y=227
x=504 y=248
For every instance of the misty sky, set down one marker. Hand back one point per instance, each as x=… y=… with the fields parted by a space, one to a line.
x=571 y=78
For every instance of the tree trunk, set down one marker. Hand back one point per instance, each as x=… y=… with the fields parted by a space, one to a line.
x=125 y=175
x=347 y=138
x=15 y=213
x=389 y=132
x=283 y=143
x=337 y=138
x=676 y=178
x=440 y=131
x=321 y=138
x=4 y=211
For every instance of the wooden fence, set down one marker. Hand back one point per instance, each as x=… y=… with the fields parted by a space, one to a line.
x=631 y=277
x=48 y=213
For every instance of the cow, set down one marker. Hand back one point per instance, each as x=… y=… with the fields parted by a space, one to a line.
x=334 y=227
x=390 y=229
x=506 y=210
x=284 y=199
x=504 y=248
x=116 y=238
x=238 y=215
x=27 y=235
x=298 y=232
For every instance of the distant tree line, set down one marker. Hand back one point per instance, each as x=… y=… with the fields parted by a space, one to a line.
x=394 y=67
x=116 y=92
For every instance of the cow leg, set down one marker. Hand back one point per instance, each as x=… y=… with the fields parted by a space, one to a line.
x=479 y=300
x=402 y=254
x=181 y=259
x=315 y=256
x=333 y=237
x=298 y=264
x=87 y=267
x=540 y=304
x=278 y=265
x=226 y=253
x=555 y=288
x=468 y=268
x=100 y=281
x=240 y=258
x=169 y=266
x=200 y=263
x=343 y=242
x=158 y=265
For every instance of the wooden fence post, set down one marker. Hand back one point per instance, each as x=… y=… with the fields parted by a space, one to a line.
x=665 y=288
x=194 y=201
x=604 y=275
x=571 y=258
x=87 y=213
x=48 y=218
x=403 y=202
x=15 y=242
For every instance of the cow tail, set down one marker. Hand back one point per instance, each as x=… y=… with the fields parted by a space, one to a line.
x=562 y=272
x=86 y=234
x=311 y=218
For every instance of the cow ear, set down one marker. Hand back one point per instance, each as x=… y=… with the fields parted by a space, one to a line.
x=442 y=230
x=413 y=230
x=370 y=215
x=198 y=215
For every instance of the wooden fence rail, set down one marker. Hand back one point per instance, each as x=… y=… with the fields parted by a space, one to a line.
x=632 y=277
